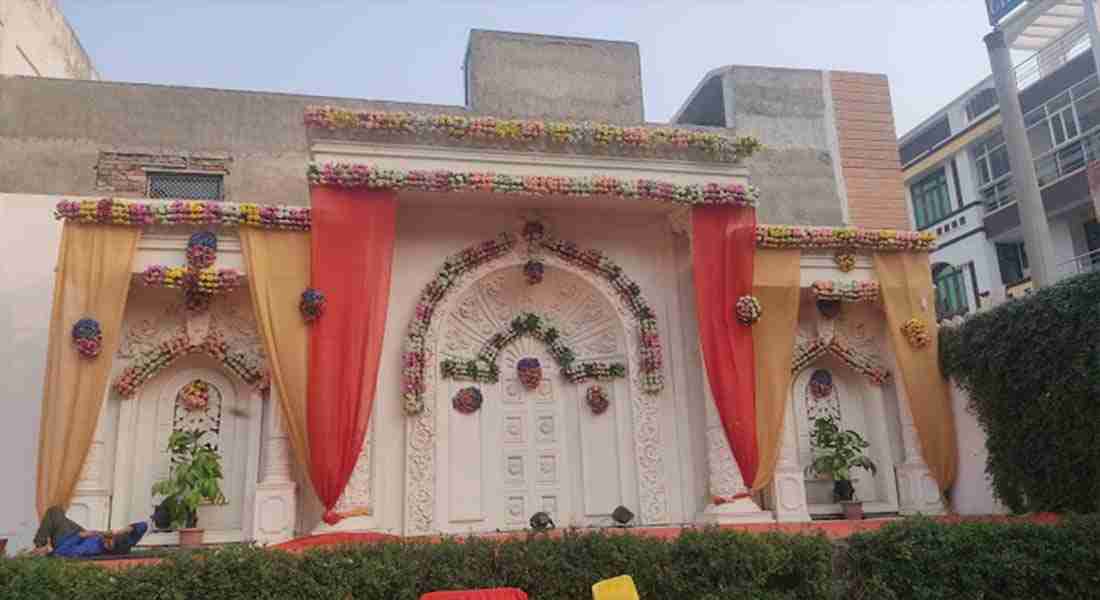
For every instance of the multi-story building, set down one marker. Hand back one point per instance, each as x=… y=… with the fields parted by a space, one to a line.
x=958 y=175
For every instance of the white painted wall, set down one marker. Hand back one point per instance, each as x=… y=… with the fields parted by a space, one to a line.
x=29 y=237
x=973 y=492
x=36 y=40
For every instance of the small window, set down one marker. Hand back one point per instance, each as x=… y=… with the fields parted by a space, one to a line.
x=930 y=199
x=981 y=102
x=185 y=186
x=962 y=220
x=951 y=299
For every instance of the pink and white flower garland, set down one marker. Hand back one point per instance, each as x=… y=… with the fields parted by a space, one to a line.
x=534 y=134
x=109 y=211
x=149 y=363
x=807 y=352
x=846 y=291
x=850 y=238
x=354 y=175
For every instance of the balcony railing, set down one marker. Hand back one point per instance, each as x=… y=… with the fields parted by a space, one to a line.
x=1052 y=57
x=1068 y=159
x=1085 y=263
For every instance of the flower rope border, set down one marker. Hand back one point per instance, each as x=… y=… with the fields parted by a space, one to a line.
x=111 y=211
x=846 y=291
x=147 y=364
x=484 y=368
x=848 y=238
x=359 y=175
x=806 y=352
x=534 y=135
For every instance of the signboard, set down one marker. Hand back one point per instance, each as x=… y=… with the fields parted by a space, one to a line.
x=999 y=8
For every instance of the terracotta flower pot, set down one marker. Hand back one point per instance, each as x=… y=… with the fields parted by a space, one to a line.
x=853 y=511
x=191 y=537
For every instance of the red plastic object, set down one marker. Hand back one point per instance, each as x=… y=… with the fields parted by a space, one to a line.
x=489 y=594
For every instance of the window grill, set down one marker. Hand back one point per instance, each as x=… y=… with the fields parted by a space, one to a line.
x=187 y=186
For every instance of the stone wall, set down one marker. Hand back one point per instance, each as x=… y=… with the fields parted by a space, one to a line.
x=36 y=40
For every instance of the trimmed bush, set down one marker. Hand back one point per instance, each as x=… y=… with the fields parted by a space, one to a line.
x=1032 y=370
x=921 y=559
x=701 y=565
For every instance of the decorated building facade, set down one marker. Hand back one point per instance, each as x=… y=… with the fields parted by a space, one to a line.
x=467 y=318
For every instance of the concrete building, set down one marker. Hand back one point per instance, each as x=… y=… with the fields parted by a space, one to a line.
x=958 y=164
x=37 y=41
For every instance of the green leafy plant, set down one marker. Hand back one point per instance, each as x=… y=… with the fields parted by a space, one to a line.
x=836 y=453
x=194 y=478
x=1031 y=370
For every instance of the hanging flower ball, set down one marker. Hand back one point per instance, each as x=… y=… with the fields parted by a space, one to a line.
x=916 y=333
x=194 y=396
x=596 y=399
x=467 y=401
x=845 y=261
x=312 y=305
x=533 y=271
x=533 y=231
x=529 y=371
x=821 y=384
x=87 y=337
x=202 y=249
x=748 y=310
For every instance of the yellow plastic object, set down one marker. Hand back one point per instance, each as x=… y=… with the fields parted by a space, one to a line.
x=616 y=588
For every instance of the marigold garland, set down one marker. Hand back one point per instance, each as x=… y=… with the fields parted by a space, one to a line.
x=916 y=333
x=846 y=291
x=199 y=281
x=354 y=175
x=109 y=211
x=849 y=238
x=534 y=134
x=149 y=363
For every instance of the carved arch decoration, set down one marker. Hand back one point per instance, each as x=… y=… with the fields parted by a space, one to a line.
x=439 y=297
x=650 y=368
x=484 y=368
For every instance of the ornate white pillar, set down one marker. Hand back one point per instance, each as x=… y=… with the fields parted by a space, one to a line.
x=789 y=486
x=356 y=499
x=724 y=477
x=91 y=504
x=276 y=506
x=918 y=491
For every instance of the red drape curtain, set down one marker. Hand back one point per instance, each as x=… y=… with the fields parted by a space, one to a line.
x=723 y=246
x=352 y=250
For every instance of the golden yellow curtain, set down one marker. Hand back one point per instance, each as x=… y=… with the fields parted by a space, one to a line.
x=92 y=281
x=278 y=273
x=776 y=285
x=907 y=292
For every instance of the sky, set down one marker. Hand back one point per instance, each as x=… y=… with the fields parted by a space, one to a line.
x=412 y=51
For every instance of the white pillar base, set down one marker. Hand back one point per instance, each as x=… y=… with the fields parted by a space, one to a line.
x=358 y=524
x=789 y=492
x=276 y=511
x=918 y=492
x=742 y=510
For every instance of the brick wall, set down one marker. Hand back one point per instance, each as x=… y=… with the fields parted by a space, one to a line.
x=869 y=150
x=123 y=174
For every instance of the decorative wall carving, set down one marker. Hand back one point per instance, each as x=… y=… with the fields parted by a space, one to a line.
x=590 y=314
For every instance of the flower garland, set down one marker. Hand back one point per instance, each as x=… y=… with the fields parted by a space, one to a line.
x=467 y=401
x=312 y=305
x=352 y=175
x=484 y=369
x=594 y=261
x=845 y=261
x=149 y=363
x=199 y=280
x=916 y=333
x=87 y=337
x=413 y=357
x=194 y=396
x=849 y=238
x=807 y=352
x=596 y=399
x=846 y=291
x=748 y=310
x=536 y=135
x=109 y=211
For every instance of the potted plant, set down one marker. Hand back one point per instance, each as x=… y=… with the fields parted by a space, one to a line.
x=836 y=453
x=193 y=479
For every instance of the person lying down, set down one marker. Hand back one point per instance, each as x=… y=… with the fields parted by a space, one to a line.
x=60 y=536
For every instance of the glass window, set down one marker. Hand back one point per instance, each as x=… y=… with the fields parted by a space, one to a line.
x=1058 y=102
x=931 y=200
x=951 y=292
x=1088 y=111
x=1012 y=259
x=1038 y=138
x=1086 y=86
x=998 y=162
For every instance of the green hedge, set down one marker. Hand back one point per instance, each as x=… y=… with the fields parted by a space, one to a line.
x=1032 y=370
x=924 y=560
x=703 y=565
